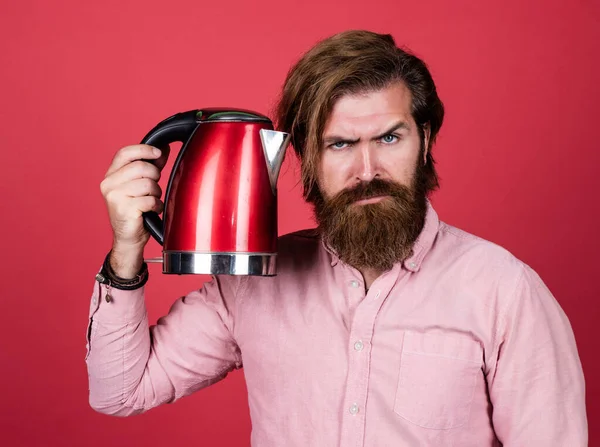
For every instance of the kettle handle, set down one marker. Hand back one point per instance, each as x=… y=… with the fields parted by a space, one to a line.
x=178 y=127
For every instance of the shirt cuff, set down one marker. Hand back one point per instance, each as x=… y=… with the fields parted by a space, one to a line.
x=122 y=306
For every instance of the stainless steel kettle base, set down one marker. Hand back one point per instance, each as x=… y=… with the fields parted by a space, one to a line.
x=182 y=263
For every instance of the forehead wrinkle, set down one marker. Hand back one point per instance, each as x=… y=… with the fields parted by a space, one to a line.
x=374 y=109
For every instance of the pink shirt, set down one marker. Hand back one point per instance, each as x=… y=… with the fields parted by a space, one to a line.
x=461 y=345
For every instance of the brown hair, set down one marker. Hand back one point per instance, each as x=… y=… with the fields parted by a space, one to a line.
x=347 y=63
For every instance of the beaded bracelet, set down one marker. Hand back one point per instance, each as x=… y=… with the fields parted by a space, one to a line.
x=108 y=277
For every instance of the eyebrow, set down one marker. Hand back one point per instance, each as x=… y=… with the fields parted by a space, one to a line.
x=398 y=126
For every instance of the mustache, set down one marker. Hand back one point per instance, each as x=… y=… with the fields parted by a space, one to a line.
x=367 y=190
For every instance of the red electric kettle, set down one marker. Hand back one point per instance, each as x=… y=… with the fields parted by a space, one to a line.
x=220 y=214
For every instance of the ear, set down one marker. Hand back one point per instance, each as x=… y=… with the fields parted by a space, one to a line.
x=426 y=137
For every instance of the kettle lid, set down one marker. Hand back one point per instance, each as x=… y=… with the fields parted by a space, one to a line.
x=230 y=114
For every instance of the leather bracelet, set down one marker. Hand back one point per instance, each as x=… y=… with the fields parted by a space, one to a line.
x=107 y=276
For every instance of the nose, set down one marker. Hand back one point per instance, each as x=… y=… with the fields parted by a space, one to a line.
x=368 y=167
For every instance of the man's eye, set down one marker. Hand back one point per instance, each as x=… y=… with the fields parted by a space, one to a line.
x=389 y=138
x=339 y=145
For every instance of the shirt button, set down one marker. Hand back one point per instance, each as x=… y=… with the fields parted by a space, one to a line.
x=377 y=294
x=353 y=409
x=358 y=345
x=412 y=265
x=94 y=300
x=354 y=283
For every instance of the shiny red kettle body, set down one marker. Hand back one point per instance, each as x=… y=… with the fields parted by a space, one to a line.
x=221 y=200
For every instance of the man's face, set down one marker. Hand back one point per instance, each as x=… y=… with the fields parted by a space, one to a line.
x=371 y=203
x=370 y=136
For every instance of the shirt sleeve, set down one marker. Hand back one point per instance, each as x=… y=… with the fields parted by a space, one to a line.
x=537 y=390
x=133 y=367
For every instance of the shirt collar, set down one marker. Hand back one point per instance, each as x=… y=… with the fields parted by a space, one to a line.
x=421 y=247
x=425 y=240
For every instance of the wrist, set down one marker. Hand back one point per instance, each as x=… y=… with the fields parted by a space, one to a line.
x=126 y=261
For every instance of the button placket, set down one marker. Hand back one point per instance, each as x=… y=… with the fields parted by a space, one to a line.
x=358 y=373
x=361 y=333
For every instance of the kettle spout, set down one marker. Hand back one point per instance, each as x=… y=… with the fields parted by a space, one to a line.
x=274 y=144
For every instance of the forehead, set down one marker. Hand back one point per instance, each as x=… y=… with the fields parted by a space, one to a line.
x=369 y=112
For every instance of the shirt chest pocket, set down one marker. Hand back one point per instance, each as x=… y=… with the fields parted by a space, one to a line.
x=437 y=379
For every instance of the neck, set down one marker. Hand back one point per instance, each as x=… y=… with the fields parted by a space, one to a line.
x=370 y=275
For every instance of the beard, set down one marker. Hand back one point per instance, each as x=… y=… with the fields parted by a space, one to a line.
x=375 y=235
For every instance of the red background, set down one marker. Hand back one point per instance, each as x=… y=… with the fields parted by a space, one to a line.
x=518 y=156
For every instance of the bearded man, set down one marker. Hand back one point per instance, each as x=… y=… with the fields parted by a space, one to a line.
x=384 y=326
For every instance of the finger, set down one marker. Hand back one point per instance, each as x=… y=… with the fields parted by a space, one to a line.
x=142 y=187
x=161 y=161
x=145 y=204
x=129 y=154
x=134 y=170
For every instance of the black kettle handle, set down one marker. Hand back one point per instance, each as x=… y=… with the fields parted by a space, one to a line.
x=179 y=127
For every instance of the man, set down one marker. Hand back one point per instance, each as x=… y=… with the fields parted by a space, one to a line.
x=385 y=326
